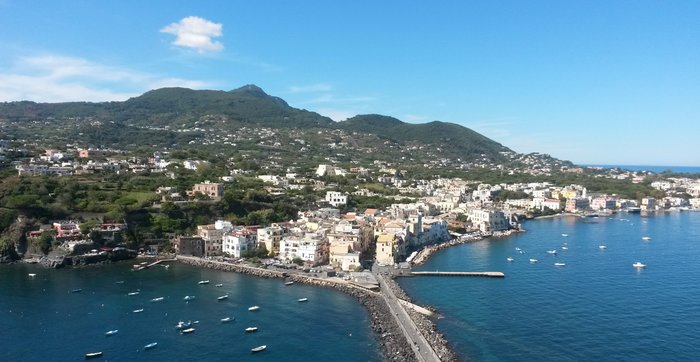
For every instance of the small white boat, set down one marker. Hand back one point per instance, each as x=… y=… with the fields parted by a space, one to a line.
x=289 y=283
x=509 y=259
x=517 y=249
x=93 y=355
x=564 y=235
x=183 y=325
x=646 y=238
x=639 y=265
x=533 y=260
x=188 y=330
x=133 y=293
x=203 y=282
x=521 y=252
x=159 y=299
x=564 y=248
x=188 y=297
x=138 y=310
x=32 y=275
x=112 y=332
x=301 y=300
x=223 y=297
x=602 y=247
x=251 y=329
x=119 y=282
x=150 y=345
x=253 y=308
x=551 y=252
x=219 y=285
x=559 y=264
x=226 y=320
x=76 y=290
x=258 y=349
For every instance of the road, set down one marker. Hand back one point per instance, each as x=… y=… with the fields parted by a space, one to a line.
x=423 y=350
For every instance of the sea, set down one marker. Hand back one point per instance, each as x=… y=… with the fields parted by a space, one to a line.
x=597 y=307
x=654 y=169
x=60 y=315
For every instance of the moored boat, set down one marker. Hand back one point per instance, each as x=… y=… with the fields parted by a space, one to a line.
x=226 y=320
x=564 y=235
x=646 y=238
x=188 y=297
x=133 y=293
x=112 y=332
x=559 y=264
x=253 y=308
x=188 y=330
x=551 y=251
x=533 y=260
x=639 y=265
x=150 y=345
x=289 y=283
x=183 y=325
x=258 y=349
x=509 y=259
x=223 y=297
x=32 y=275
x=602 y=247
x=251 y=329
x=301 y=300
x=203 y=282
x=138 y=310
x=76 y=290
x=219 y=285
x=93 y=355
x=159 y=299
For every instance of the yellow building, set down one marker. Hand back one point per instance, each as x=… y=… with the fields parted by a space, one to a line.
x=387 y=248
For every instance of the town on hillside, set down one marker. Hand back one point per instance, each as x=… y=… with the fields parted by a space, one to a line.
x=329 y=217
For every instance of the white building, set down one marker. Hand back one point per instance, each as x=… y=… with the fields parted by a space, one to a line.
x=336 y=198
x=488 y=220
x=238 y=242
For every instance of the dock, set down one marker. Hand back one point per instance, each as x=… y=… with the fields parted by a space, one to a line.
x=459 y=274
x=142 y=267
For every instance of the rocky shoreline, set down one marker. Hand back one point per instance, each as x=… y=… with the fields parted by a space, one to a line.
x=393 y=343
x=426 y=252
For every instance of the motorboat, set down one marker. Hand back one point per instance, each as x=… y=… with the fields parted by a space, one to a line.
x=93 y=355
x=32 y=275
x=253 y=308
x=289 y=283
x=564 y=235
x=219 y=285
x=509 y=259
x=159 y=299
x=112 y=332
x=76 y=290
x=119 y=282
x=226 y=320
x=521 y=252
x=533 y=260
x=552 y=252
x=203 y=282
x=564 y=248
x=639 y=265
x=183 y=325
x=223 y=297
x=559 y=264
x=301 y=300
x=150 y=345
x=646 y=238
x=258 y=349
x=138 y=310
x=602 y=247
x=188 y=297
x=251 y=329
x=133 y=293
x=188 y=330
x=517 y=249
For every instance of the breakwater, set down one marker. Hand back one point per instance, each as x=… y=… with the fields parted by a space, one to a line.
x=395 y=346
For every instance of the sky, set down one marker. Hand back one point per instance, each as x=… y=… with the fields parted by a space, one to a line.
x=593 y=82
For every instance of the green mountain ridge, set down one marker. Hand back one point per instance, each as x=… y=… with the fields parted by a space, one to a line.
x=170 y=109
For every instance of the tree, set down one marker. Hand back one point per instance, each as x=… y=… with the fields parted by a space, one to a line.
x=298 y=261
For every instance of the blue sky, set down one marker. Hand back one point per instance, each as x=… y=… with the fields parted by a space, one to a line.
x=609 y=82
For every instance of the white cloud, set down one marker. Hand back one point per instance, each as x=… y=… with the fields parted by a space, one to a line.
x=196 y=33
x=311 y=88
x=336 y=114
x=55 y=78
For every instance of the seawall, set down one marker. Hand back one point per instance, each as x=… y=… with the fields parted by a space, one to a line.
x=394 y=345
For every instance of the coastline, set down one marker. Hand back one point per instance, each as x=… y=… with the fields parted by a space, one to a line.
x=425 y=253
x=394 y=345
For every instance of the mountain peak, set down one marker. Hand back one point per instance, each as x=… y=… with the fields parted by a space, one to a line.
x=251 y=89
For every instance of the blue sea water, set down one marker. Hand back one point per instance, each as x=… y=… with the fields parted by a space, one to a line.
x=43 y=321
x=654 y=169
x=597 y=307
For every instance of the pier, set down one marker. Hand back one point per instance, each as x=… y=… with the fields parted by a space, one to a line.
x=460 y=274
x=142 y=267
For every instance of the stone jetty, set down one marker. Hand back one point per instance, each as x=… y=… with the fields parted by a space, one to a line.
x=394 y=344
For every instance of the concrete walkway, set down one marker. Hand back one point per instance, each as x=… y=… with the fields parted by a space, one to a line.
x=423 y=350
